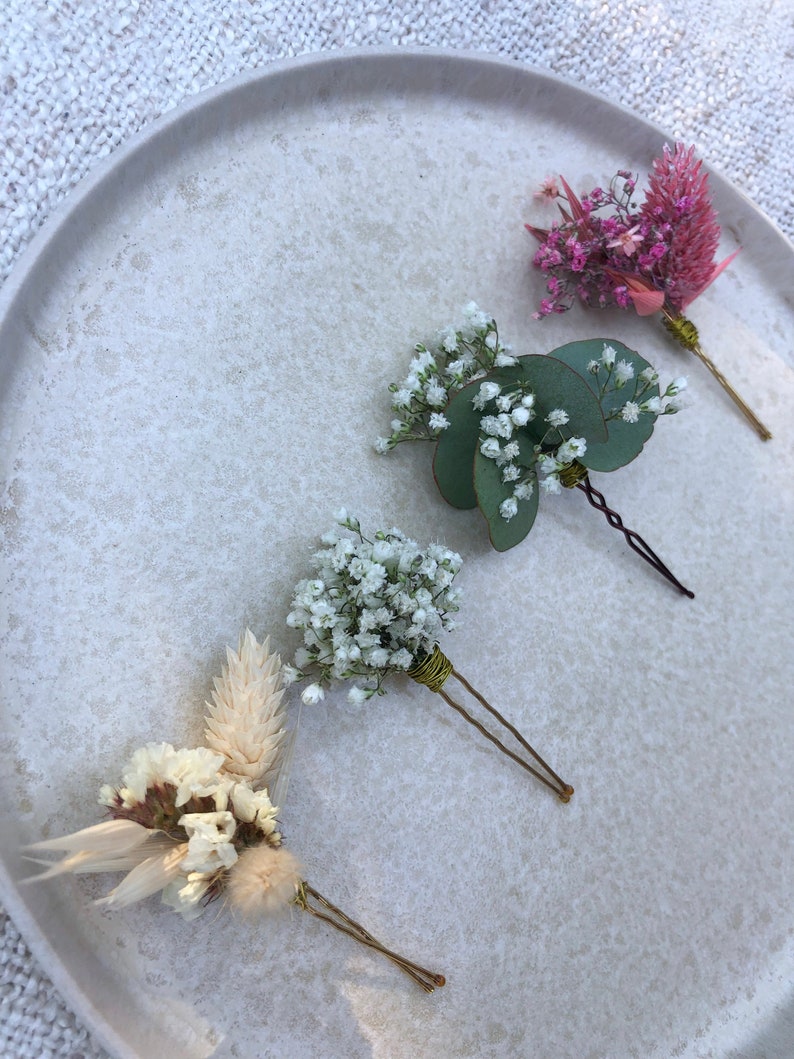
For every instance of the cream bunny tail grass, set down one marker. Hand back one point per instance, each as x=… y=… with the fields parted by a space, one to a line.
x=246 y=718
x=264 y=879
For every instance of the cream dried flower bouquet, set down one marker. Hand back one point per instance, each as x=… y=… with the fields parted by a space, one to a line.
x=201 y=824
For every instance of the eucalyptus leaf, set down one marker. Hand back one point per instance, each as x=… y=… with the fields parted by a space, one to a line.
x=557 y=384
x=491 y=491
x=453 y=459
x=626 y=440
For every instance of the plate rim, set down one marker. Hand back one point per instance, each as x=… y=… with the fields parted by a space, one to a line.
x=139 y=141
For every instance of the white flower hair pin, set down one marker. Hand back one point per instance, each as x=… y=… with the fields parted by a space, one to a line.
x=377 y=606
x=507 y=429
x=197 y=825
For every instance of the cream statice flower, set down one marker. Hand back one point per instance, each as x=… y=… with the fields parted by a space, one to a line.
x=191 y=772
x=246 y=719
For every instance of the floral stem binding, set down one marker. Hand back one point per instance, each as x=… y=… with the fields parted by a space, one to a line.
x=658 y=257
x=376 y=607
x=198 y=825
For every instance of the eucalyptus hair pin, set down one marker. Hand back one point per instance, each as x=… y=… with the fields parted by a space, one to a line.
x=508 y=428
x=377 y=606
x=658 y=256
x=198 y=825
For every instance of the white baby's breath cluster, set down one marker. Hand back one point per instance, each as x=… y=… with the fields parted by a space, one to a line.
x=510 y=408
x=439 y=368
x=523 y=464
x=613 y=376
x=373 y=607
x=195 y=823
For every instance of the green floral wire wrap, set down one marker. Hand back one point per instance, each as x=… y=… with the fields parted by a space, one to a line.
x=432 y=670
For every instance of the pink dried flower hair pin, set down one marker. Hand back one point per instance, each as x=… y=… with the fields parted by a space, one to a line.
x=197 y=825
x=657 y=257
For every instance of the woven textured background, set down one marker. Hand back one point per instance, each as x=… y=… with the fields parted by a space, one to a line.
x=78 y=79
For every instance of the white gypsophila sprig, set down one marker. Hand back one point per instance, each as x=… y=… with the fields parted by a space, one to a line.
x=507 y=409
x=456 y=355
x=373 y=607
x=615 y=376
x=246 y=719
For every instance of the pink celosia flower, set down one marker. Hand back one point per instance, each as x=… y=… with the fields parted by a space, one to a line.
x=678 y=199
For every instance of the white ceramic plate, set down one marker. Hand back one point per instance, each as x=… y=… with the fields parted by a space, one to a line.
x=195 y=356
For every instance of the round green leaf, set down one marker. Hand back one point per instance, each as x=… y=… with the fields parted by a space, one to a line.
x=453 y=459
x=491 y=491
x=558 y=385
x=626 y=440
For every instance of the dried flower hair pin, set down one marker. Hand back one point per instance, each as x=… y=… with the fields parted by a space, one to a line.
x=507 y=428
x=200 y=824
x=657 y=257
x=377 y=606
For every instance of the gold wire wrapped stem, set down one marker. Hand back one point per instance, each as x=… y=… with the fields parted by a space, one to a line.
x=686 y=334
x=573 y=474
x=433 y=670
x=329 y=913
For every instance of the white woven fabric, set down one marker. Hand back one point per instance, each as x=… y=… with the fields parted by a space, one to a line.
x=76 y=80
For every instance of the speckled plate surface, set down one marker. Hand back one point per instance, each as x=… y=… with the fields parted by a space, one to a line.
x=195 y=355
